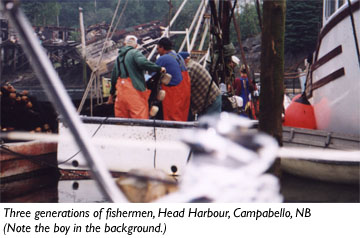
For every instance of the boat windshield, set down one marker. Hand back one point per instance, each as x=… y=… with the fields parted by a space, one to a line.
x=330 y=6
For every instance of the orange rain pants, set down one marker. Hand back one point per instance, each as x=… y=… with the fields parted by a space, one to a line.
x=130 y=102
x=177 y=100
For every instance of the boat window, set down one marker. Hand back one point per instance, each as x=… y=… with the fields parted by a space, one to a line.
x=330 y=8
x=341 y=2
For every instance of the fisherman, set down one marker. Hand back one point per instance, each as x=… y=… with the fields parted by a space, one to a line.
x=234 y=61
x=242 y=88
x=128 y=80
x=231 y=65
x=177 y=101
x=205 y=94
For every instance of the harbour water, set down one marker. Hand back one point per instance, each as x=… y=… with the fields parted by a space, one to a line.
x=49 y=188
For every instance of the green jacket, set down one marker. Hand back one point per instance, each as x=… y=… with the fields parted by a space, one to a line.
x=136 y=64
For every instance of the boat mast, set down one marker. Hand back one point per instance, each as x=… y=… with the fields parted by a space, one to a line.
x=221 y=48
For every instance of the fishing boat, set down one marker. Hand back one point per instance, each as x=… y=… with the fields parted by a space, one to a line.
x=119 y=157
x=21 y=159
x=338 y=170
x=127 y=144
x=151 y=128
x=333 y=85
x=332 y=88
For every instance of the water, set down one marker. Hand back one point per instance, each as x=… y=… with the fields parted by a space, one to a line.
x=48 y=187
x=79 y=191
x=298 y=189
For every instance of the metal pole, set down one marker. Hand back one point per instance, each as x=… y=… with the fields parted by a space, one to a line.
x=178 y=12
x=192 y=24
x=57 y=94
x=83 y=46
x=167 y=29
x=170 y=10
x=187 y=40
x=82 y=32
x=197 y=27
x=206 y=57
x=204 y=34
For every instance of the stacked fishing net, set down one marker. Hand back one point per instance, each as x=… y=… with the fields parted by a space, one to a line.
x=21 y=112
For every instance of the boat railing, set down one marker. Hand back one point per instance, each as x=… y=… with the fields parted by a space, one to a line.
x=138 y=122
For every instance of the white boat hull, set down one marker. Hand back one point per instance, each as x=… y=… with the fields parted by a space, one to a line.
x=125 y=147
x=334 y=90
x=338 y=170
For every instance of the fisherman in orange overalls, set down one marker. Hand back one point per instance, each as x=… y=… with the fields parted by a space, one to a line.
x=128 y=81
x=177 y=101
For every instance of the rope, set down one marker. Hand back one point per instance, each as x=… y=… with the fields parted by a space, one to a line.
x=96 y=131
x=99 y=96
x=121 y=14
x=98 y=63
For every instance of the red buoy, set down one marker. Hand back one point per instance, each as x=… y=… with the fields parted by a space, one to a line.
x=300 y=114
x=296 y=97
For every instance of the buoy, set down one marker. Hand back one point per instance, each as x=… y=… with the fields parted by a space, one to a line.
x=29 y=104
x=161 y=95
x=166 y=78
x=153 y=111
x=12 y=95
x=296 y=97
x=300 y=113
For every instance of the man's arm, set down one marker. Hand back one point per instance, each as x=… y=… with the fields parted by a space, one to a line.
x=144 y=63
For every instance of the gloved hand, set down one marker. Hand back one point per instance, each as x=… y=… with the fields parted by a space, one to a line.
x=110 y=100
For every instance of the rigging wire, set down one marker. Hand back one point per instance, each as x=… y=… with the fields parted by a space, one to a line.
x=93 y=73
x=118 y=21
